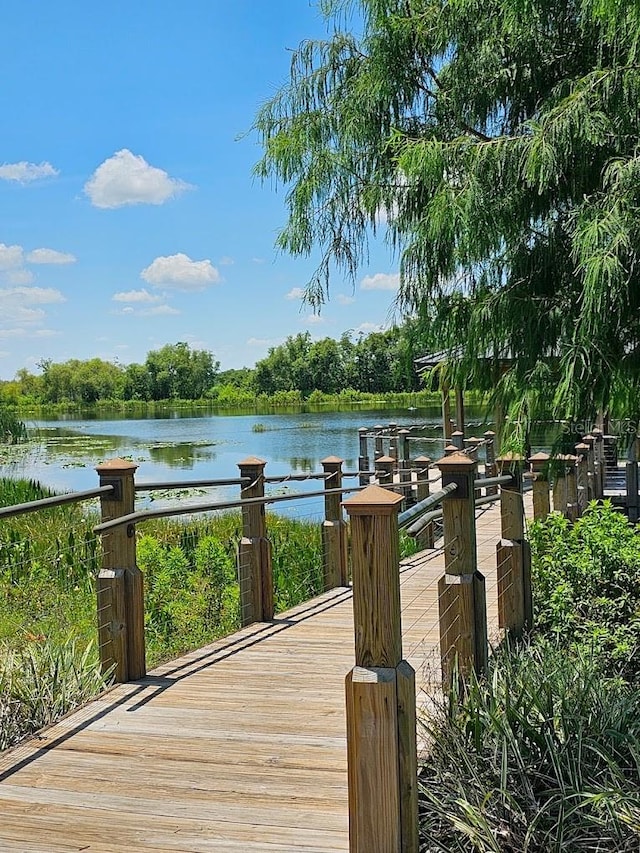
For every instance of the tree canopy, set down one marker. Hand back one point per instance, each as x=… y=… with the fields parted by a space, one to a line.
x=495 y=143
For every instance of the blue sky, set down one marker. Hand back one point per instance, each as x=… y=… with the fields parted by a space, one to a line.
x=129 y=216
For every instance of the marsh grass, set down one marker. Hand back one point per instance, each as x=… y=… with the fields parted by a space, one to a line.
x=541 y=756
x=48 y=564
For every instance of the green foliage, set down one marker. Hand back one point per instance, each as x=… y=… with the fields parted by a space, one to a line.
x=586 y=583
x=495 y=146
x=542 y=755
x=191 y=594
x=42 y=681
x=12 y=430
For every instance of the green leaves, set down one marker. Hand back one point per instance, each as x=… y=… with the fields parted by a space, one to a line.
x=502 y=136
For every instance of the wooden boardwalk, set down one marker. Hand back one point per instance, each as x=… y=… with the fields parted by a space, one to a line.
x=238 y=747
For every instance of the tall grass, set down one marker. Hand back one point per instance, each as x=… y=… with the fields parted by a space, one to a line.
x=541 y=756
x=48 y=564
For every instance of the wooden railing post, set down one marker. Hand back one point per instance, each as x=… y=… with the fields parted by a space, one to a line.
x=255 y=572
x=426 y=537
x=393 y=441
x=404 y=466
x=384 y=470
x=363 y=458
x=631 y=480
x=515 y=608
x=572 y=487
x=461 y=591
x=457 y=439
x=592 y=490
x=490 y=459
x=541 y=499
x=120 y=586
x=582 y=476
x=560 y=493
x=334 y=533
x=446 y=415
x=380 y=689
x=378 y=442
x=600 y=461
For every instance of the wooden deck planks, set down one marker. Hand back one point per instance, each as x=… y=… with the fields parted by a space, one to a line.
x=239 y=746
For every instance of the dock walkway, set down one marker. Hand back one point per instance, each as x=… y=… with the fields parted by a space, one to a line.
x=238 y=747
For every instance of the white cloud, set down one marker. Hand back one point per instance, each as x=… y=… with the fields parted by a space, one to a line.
x=314 y=319
x=161 y=310
x=369 y=327
x=260 y=342
x=24 y=173
x=11 y=257
x=135 y=296
x=381 y=281
x=19 y=276
x=32 y=295
x=50 y=256
x=127 y=178
x=20 y=311
x=296 y=293
x=180 y=272
x=343 y=299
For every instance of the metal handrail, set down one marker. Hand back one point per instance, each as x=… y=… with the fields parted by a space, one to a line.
x=57 y=500
x=405 y=518
x=212 y=506
x=503 y=479
x=189 y=484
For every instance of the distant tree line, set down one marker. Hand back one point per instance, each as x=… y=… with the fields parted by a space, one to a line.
x=376 y=363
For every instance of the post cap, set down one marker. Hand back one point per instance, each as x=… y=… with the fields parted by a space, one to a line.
x=581 y=446
x=374 y=500
x=489 y=434
x=474 y=440
x=422 y=459
x=385 y=459
x=457 y=432
x=332 y=460
x=451 y=448
x=252 y=462
x=457 y=461
x=112 y=466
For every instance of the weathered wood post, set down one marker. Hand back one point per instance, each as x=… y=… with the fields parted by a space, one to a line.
x=378 y=442
x=404 y=466
x=490 y=459
x=426 y=537
x=582 y=476
x=334 y=533
x=515 y=607
x=460 y=408
x=461 y=591
x=600 y=461
x=592 y=492
x=120 y=585
x=384 y=470
x=472 y=445
x=255 y=573
x=560 y=495
x=631 y=478
x=380 y=689
x=541 y=500
x=446 y=415
x=363 y=458
x=572 y=487
x=457 y=439
x=393 y=441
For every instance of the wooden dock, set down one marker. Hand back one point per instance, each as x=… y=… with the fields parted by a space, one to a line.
x=238 y=747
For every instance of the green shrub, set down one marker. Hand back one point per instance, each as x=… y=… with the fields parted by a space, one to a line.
x=586 y=584
x=543 y=755
x=42 y=681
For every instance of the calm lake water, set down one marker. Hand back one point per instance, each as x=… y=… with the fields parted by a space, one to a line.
x=65 y=452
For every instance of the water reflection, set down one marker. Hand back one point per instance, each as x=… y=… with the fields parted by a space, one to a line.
x=183 y=454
